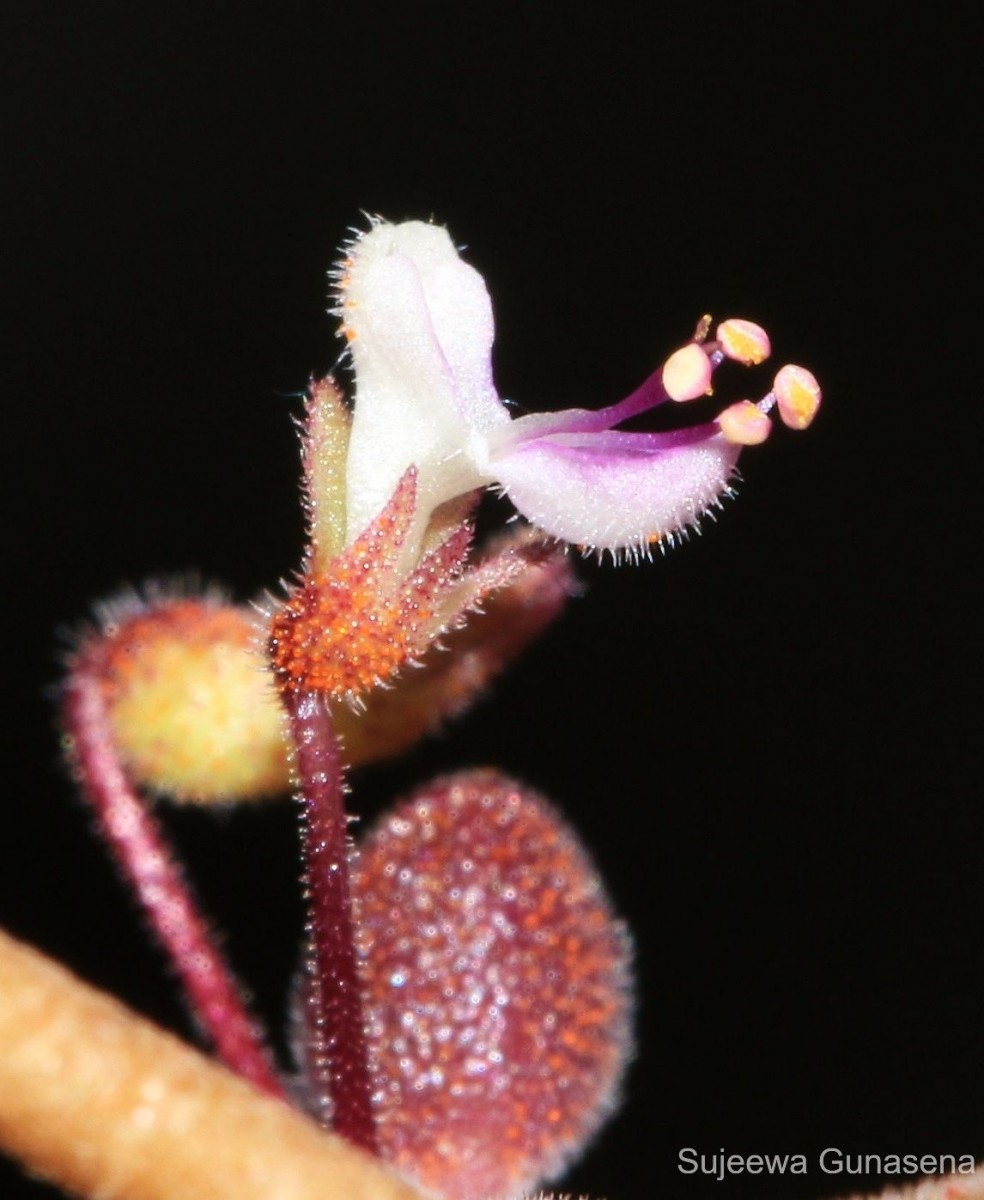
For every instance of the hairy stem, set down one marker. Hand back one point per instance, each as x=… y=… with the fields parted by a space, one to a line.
x=339 y=1057
x=139 y=847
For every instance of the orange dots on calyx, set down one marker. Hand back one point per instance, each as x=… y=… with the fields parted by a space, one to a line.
x=340 y=635
x=497 y=987
x=344 y=631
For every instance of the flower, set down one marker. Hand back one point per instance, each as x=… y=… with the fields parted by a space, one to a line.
x=420 y=330
x=391 y=485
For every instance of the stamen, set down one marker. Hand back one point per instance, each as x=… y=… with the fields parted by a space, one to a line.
x=744 y=341
x=687 y=373
x=703 y=328
x=744 y=424
x=797 y=395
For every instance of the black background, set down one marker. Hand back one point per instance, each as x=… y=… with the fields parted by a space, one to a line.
x=768 y=738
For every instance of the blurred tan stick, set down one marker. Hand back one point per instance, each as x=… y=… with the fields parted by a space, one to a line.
x=105 y=1105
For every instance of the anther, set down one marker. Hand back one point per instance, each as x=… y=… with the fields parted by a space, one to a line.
x=744 y=424
x=687 y=373
x=797 y=396
x=744 y=341
x=703 y=328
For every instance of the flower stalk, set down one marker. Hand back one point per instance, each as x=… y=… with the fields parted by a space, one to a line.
x=337 y=1066
x=137 y=843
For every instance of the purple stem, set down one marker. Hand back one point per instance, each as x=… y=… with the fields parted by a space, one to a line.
x=649 y=394
x=140 y=849
x=334 y=994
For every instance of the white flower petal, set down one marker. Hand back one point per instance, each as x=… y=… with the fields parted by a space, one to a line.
x=421 y=329
x=461 y=316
